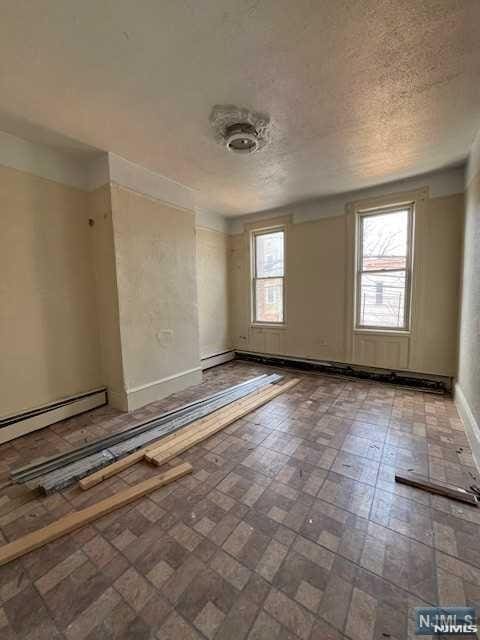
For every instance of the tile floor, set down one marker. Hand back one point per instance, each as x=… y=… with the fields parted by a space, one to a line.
x=291 y=525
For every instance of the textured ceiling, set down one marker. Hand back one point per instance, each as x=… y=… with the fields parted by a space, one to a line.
x=359 y=93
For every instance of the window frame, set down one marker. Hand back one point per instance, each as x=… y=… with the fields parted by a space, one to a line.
x=253 y=289
x=407 y=311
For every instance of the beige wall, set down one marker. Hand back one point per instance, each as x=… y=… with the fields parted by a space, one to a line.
x=319 y=293
x=468 y=387
x=106 y=294
x=48 y=330
x=157 y=295
x=212 y=252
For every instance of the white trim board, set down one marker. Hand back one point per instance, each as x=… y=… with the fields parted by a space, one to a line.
x=216 y=359
x=42 y=420
x=472 y=428
x=43 y=162
x=137 y=397
x=439 y=183
x=473 y=166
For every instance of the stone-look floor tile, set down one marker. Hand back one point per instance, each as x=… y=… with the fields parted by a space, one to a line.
x=134 y=589
x=93 y=615
x=207 y=586
x=209 y=619
x=287 y=491
x=28 y=617
x=361 y=616
x=403 y=516
x=400 y=560
x=175 y=586
x=355 y=467
x=160 y=573
x=337 y=592
x=271 y=560
x=61 y=571
x=176 y=628
x=266 y=628
x=308 y=596
x=231 y=570
x=239 y=620
x=99 y=551
x=370 y=449
x=348 y=494
x=336 y=529
x=295 y=618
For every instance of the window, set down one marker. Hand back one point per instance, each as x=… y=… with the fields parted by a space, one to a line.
x=268 y=276
x=384 y=266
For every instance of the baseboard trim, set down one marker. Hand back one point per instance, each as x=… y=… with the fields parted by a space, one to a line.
x=472 y=428
x=411 y=380
x=43 y=417
x=217 y=358
x=139 y=396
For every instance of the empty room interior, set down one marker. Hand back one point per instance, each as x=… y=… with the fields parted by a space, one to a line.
x=239 y=319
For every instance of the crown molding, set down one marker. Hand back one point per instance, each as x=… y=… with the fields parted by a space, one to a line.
x=439 y=184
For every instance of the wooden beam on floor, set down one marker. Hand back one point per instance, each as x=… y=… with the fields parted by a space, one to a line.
x=77 y=519
x=448 y=491
x=124 y=463
x=163 y=454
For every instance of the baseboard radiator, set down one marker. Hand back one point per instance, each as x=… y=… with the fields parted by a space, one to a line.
x=217 y=358
x=22 y=423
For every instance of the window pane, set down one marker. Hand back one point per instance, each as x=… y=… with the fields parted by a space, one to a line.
x=382 y=299
x=385 y=241
x=269 y=254
x=269 y=300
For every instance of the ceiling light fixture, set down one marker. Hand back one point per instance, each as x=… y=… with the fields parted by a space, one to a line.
x=240 y=130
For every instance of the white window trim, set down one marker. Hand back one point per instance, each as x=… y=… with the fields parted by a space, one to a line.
x=253 y=278
x=407 y=317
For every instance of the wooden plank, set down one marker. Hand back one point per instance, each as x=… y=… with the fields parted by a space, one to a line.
x=112 y=469
x=233 y=409
x=159 y=457
x=448 y=491
x=77 y=519
x=124 y=463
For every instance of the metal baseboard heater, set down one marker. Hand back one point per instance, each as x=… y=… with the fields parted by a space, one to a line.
x=20 y=424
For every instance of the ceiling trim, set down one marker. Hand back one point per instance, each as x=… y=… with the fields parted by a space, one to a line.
x=42 y=161
x=473 y=167
x=446 y=182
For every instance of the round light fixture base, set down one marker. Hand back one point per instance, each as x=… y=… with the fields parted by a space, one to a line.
x=241 y=138
x=240 y=130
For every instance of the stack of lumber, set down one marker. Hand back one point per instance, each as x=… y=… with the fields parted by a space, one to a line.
x=60 y=471
x=173 y=445
x=158 y=453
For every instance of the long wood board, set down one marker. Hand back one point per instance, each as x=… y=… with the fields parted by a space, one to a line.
x=126 y=462
x=77 y=519
x=162 y=455
x=236 y=410
x=456 y=493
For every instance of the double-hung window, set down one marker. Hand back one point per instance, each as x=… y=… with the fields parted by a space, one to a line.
x=384 y=268
x=268 y=275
